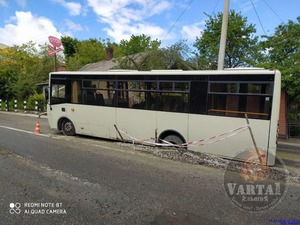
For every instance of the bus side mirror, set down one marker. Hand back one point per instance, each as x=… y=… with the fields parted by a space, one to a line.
x=47 y=94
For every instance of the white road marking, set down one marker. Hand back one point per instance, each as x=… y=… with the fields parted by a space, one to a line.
x=66 y=138
x=56 y=173
x=25 y=114
x=24 y=131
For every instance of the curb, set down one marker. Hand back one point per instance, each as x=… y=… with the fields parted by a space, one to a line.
x=293 y=146
x=27 y=113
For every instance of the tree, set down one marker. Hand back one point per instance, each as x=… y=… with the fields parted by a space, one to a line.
x=178 y=56
x=81 y=53
x=136 y=44
x=282 y=51
x=241 y=44
x=70 y=45
x=171 y=57
x=21 y=68
x=45 y=64
x=9 y=71
x=27 y=78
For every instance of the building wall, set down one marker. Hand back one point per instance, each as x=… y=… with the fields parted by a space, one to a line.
x=62 y=68
x=282 y=115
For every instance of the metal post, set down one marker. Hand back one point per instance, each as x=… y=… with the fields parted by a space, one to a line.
x=55 y=62
x=119 y=132
x=6 y=105
x=223 y=36
x=36 y=107
x=0 y=104
x=16 y=105
x=25 y=106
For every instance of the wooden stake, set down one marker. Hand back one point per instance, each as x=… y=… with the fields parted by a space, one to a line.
x=254 y=142
x=119 y=132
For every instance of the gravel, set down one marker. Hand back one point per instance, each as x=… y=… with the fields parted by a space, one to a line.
x=186 y=156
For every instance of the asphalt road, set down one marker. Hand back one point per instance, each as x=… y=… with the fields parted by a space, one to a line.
x=53 y=179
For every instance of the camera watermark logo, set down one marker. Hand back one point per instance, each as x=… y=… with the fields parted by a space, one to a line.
x=14 y=208
x=253 y=186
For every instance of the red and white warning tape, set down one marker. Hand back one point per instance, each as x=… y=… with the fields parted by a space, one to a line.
x=210 y=140
x=150 y=141
x=219 y=137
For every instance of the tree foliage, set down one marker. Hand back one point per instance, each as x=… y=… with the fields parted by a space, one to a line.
x=241 y=44
x=80 y=53
x=9 y=68
x=70 y=45
x=282 y=51
x=171 y=57
x=21 y=68
x=137 y=44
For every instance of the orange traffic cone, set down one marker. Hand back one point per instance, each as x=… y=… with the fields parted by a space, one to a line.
x=37 y=128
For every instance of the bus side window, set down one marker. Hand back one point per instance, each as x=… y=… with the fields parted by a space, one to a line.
x=198 y=98
x=137 y=100
x=88 y=97
x=75 y=91
x=238 y=99
x=99 y=98
x=58 y=92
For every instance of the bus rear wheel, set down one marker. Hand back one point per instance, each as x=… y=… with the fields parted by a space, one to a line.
x=173 y=139
x=68 y=128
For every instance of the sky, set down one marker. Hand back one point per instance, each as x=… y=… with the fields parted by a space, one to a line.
x=22 y=21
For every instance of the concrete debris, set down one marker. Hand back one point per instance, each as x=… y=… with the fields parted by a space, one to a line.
x=186 y=156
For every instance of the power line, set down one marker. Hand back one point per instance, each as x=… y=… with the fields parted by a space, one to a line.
x=258 y=18
x=216 y=7
x=273 y=11
x=177 y=20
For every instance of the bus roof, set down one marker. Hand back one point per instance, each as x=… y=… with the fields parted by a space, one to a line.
x=235 y=71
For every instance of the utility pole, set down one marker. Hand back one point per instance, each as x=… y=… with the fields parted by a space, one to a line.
x=55 y=61
x=54 y=48
x=223 y=36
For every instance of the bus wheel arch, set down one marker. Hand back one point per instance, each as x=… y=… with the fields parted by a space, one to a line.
x=66 y=126
x=171 y=136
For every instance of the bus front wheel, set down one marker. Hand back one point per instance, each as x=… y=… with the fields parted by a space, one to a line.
x=68 y=128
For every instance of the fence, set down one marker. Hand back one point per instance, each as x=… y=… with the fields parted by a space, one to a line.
x=15 y=105
x=294 y=130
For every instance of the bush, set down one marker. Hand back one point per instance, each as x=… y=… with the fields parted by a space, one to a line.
x=41 y=102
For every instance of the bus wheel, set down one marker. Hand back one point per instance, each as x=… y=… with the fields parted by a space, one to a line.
x=68 y=128
x=174 y=139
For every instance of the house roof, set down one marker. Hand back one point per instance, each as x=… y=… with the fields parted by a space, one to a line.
x=103 y=65
x=2 y=46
